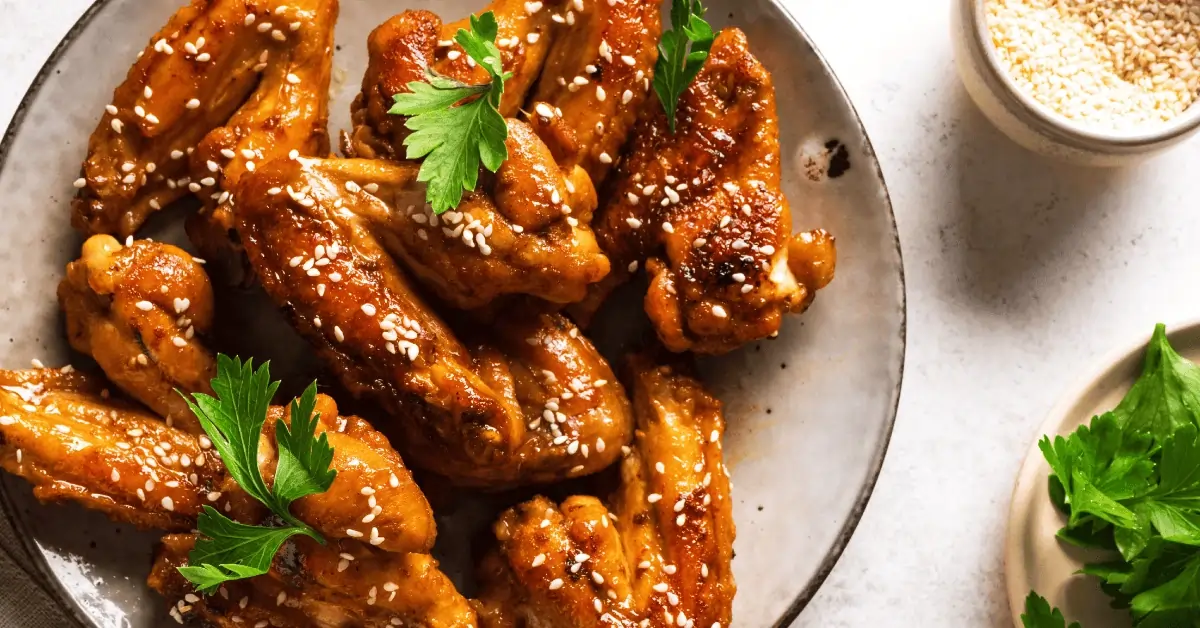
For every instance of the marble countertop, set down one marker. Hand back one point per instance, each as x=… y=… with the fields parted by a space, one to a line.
x=1021 y=274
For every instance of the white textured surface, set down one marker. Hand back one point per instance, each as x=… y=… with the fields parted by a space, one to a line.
x=1020 y=273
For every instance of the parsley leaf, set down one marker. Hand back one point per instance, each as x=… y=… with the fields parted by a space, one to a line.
x=1166 y=396
x=1038 y=614
x=456 y=127
x=1129 y=482
x=233 y=420
x=681 y=53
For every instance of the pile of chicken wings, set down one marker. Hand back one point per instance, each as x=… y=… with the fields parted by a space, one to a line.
x=466 y=331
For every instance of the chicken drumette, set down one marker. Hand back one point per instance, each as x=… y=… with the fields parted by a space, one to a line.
x=660 y=557
x=223 y=85
x=140 y=311
x=535 y=402
x=702 y=210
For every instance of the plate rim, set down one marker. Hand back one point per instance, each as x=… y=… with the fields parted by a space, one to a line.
x=47 y=580
x=1034 y=466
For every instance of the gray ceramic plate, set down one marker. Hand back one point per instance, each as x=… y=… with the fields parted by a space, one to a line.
x=810 y=412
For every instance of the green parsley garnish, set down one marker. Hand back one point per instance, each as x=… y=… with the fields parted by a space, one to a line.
x=233 y=420
x=1038 y=614
x=1129 y=482
x=456 y=126
x=681 y=54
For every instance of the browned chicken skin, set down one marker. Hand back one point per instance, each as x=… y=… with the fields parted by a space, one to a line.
x=339 y=585
x=525 y=230
x=660 y=557
x=63 y=433
x=702 y=209
x=140 y=311
x=401 y=48
x=596 y=78
x=474 y=416
x=223 y=84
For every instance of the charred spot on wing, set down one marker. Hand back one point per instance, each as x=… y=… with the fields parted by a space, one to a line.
x=839 y=158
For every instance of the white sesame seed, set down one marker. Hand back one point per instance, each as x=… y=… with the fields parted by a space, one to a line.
x=604 y=157
x=556 y=584
x=600 y=95
x=668 y=227
x=168 y=504
x=660 y=587
x=145 y=306
x=653 y=498
x=293 y=79
x=117 y=125
x=354 y=534
x=337 y=333
x=660 y=467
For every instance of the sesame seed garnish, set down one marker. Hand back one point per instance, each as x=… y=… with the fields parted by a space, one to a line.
x=117 y=125
x=597 y=577
x=556 y=583
x=145 y=306
x=168 y=504
x=660 y=587
x=653 y=498
x=672 y=598
x=111 y=109
x=719 y=311
x=680 y=520
x=178 y=342
x=337 y=333
x=538 y=560
x=80 y=183
x=633 y=266
x=668 y=227
x=660 y=467
x=368 y=309
x=604 y=157
x=600 y=95
x=633 y=222
x=354 y=534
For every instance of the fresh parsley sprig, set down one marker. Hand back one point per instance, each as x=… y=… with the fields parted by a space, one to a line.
x=1038 y=614
x=456 y=126
x=1129 y=482
x=233 y=420
x=681 y=53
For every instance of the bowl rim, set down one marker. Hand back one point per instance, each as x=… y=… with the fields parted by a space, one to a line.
x=46 y=579
x=1054 y=123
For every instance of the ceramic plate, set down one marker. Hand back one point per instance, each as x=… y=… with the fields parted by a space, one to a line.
x=1033 y=558
x=810 y=413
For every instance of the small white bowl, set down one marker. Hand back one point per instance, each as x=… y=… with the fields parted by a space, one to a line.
x=1033 y=125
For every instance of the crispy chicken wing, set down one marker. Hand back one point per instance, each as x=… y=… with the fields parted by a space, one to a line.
x=596 y=77
x=660 y=558
x=525 y=230
x=373 y=498
x=400 y=49
x=475 y=416
x=62 y=432
x=341 y=585
x=140 y=312
x=223 y=84
x=477 y=252
x=703 y=210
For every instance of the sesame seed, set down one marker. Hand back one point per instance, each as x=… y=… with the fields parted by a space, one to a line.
x=368 y=309
x=168 y=504
x=556 y=583
x=600 y=95
x=203 y=57
x=145 y=306
x=538 y=560
x=653 y=498
x=111 y=109
x=633 y=266
x=117 y=125
x=680 y=520
x=453 y=54
x=626 y=96
x=178 y=342
x=604 y=157
x=660 y=467
x=249 y=19
x=672 y=598
x=668 y=227
x=354 y=534
x=660 y=587
x=597 y=577
x=80 y=183
x=544 y=110
x=337 y=333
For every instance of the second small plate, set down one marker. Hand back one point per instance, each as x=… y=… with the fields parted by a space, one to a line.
x=1033 y=558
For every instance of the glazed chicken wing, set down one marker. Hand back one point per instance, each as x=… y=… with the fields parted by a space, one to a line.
x=340 y=585
x=525 y=230
x=400 y=50
x=62 y=432
x=596 y=77
x=224 y=84
x=140 y=311
x=702 y=209
x=660 y=557
x=533 y=403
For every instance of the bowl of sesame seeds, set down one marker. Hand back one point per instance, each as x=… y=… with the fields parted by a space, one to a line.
x=1097 y=82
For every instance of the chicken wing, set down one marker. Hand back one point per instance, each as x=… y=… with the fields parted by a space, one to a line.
x=313 y=586
x=400 y=50
x=140 y=311
x=473 y=416
x=661 y=557
x=595 y=80
x=702 y=209
x=223 y=84
x=63 y=432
